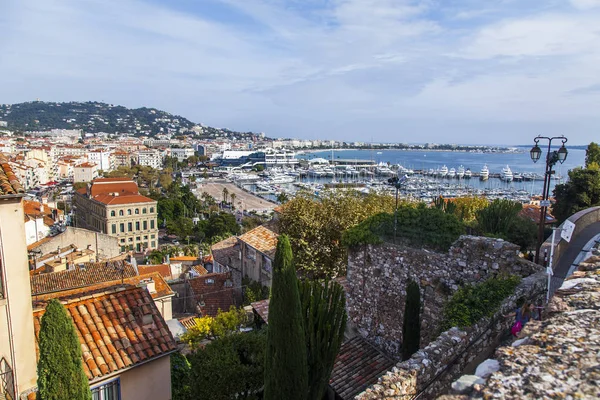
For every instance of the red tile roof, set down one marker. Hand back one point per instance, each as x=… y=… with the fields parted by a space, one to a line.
x=533 y=213
x=117 y=329
x=9 y=184
x=262 y=309
x=163 y=269
x=262 y=239
x=32 y=210
x=213 y=292
x=357 y=366
x=123 y=199
x=162 y=288
x=93 y=273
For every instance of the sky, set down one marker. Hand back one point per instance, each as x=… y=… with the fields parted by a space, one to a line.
x=443 y=71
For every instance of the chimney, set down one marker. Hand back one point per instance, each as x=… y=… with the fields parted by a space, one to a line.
x=41 y=208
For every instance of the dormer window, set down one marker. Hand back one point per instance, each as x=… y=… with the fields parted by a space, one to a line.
x=209 y=281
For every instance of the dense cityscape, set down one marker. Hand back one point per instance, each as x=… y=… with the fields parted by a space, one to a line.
x=299 y=200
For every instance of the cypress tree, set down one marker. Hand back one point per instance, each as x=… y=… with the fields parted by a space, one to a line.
x=286 y=375
x=411 y=329
x=324 y=310
x=60 y=370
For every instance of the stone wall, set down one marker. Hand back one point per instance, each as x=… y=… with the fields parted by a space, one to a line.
x=378 y=274
x=108 y=246
x=432 y=369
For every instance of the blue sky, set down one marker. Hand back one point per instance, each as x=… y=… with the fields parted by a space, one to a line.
x=452 y=71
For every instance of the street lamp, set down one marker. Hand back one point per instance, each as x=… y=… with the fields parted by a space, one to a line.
x=397 y=183
x=552 y=157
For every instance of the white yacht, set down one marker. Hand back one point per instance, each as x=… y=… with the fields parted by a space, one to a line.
x=485 y=173
x=443 y=171
x=452 y=173
x=279 y=179
x=468 y=173
x=460 y=173
x=383 y=169
x=506 y=174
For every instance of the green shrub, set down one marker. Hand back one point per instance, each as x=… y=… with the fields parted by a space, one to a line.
x=473 y=302
x=418 y=225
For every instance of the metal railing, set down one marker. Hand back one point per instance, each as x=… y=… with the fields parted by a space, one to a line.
x=7 y=385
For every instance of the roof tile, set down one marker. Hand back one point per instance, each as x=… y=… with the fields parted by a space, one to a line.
x=262 y=239
x=105 y=346
x=9 y=184
x=213 y=291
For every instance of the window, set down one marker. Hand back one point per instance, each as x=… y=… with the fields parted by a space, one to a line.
x=153 y=244
x=152 y=236
x=114 y=228
x=129 y=226
x=145 y=224
x=112 y=213
x=137 y=210
x=146 y=238
x=151 y=209
x=123 y=240
x=123 y=248
x=129 y=211
x=152 y=224
x=120 y=213
x=108 y=391
x=144 y=211
x=122 y=227
x=137 y=225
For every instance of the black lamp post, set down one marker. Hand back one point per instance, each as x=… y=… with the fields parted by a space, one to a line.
x=552 y=157
x=397 y=183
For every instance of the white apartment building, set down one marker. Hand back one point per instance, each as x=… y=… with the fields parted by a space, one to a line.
x=182 y=154
x=85 y=172
x=150 y=158
x=61 y=151
x=101 y=158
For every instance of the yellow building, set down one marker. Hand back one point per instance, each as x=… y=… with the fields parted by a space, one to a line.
x=114 y=206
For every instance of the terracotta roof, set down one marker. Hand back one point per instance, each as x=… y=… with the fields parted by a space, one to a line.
x=31 y=210
x=38 y=243
x=163 y=269
x=212 y=293
x=9 y=184
x=162 y=288
x=122 y=199
x=533 y=213
x=357 y=366
x=262 y=239
x=184 y=258
x=200 y=269
x=93 y=273
x=117 y=329
x=262 y=309
x=188 y=322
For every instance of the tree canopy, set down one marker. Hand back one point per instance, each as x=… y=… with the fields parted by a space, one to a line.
x=315 y=227
x=60 y=369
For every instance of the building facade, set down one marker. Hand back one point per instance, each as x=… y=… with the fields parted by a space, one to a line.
x=85 y=172
x=150 y=158
x=115 y=207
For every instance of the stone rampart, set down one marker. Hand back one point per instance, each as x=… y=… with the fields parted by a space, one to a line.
x=378 y=275
x=432 y=369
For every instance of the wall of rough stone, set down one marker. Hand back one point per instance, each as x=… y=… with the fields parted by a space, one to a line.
x=432 y=369
x=108 y=246
x=378 y=274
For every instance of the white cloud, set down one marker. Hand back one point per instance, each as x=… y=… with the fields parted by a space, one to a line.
x=585 y=4
x=338 y=69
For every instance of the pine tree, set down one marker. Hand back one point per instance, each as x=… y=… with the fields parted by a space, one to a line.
x=60 y=369
x=324 y=310
x=286 y=375
x=411 y=329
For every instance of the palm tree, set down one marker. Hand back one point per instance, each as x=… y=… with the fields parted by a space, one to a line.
x=233 y=201
x=190 y=250
x=225 y=195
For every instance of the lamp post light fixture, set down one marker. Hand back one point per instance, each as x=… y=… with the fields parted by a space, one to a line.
x=552 y=157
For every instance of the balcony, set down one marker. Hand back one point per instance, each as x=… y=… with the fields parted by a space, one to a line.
x=7 y=385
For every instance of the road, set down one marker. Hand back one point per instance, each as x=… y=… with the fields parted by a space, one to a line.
x=568 y=257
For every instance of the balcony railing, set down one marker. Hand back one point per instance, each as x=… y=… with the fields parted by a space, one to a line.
x=7 y=384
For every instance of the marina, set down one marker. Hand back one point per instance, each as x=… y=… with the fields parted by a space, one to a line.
x=448 y=174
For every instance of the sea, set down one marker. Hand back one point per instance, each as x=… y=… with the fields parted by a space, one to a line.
x=518 y=162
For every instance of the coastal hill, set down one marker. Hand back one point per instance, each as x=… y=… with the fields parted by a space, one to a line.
x=95 y=117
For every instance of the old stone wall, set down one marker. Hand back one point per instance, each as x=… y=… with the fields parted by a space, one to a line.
x=432 y=369
x=378 y=275
x=104 y=245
